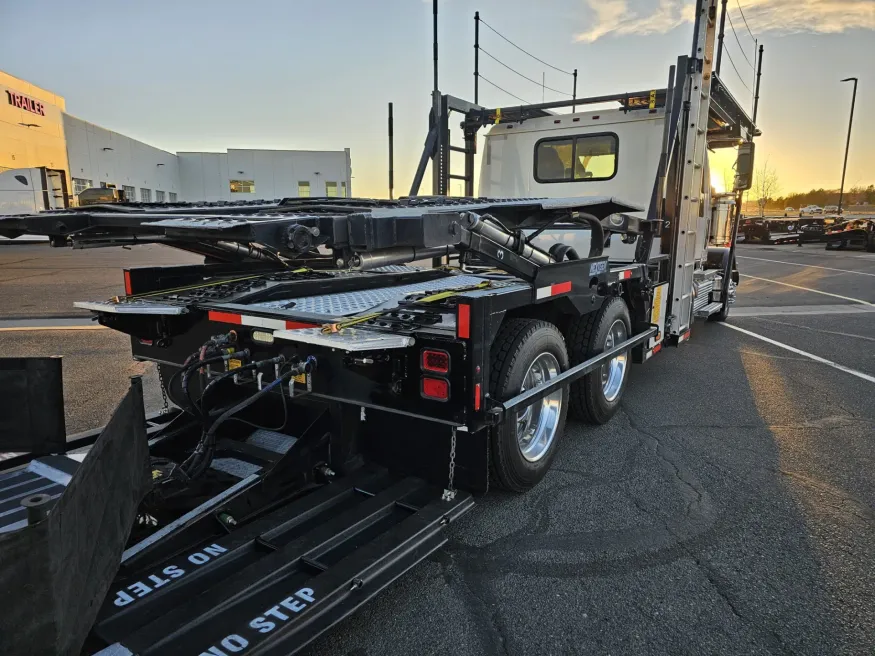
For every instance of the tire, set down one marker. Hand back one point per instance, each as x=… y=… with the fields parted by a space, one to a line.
x=519 y=347
x=720 y=316
x=587 y=336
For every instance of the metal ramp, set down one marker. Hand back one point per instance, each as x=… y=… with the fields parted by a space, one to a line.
x=277 y=583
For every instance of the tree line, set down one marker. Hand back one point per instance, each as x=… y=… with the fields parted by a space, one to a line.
x=765 y=194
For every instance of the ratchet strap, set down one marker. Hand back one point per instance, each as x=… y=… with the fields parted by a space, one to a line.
x=439 y=296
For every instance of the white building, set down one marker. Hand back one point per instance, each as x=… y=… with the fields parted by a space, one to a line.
x=36 y=131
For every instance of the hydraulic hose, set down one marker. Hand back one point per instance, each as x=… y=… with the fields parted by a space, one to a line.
x=202 y=456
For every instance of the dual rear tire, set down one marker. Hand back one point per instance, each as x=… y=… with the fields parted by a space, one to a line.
x=529 y=352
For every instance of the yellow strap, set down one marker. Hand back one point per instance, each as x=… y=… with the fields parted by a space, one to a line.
x=190 y=287
x=337 y=327
x=498 y=116
x=653 y=99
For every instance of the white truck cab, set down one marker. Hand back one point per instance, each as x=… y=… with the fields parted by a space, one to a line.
x=604 y=153
x=610 y=152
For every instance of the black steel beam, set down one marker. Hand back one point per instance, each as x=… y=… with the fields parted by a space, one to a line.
x=528 y=397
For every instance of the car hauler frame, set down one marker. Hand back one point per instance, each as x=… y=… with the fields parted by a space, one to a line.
x=336 y=405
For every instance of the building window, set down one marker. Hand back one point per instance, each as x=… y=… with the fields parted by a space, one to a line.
x=343 y=189
x=304 y=189
x=576 y=159
x=242 y=186
x=145 y=195
x=331 y=189
x=80 y=185
x=172 y=196
x=130 y=193
x=159 y=196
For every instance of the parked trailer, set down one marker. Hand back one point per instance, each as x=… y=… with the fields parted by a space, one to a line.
x=336 y=406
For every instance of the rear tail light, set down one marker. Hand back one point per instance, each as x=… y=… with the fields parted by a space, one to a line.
x=435 y=388
x=435 y=361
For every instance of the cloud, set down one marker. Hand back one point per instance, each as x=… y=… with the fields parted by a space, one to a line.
x=618 y=18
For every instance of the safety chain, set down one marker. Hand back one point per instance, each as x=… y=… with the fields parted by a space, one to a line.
x=450 y=492
x=165 y=408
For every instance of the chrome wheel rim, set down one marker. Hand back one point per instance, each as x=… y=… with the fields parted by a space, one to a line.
x=536 y=426
x=614 y=371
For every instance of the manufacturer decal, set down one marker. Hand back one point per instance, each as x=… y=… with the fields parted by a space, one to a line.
x=598 y=268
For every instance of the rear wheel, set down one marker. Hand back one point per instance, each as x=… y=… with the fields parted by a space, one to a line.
x=596 y=397
x=525 y=354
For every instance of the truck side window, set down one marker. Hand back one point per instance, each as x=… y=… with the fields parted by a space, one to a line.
x=575 y=159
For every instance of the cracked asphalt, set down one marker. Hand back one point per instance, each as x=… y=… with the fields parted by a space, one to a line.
x=727 y=508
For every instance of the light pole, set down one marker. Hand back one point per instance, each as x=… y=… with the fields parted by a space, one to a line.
x=848 y=143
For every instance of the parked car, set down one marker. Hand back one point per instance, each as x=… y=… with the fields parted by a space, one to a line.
x=811 y=209
x=859 y=233
x=831 y=209
x=788 y=211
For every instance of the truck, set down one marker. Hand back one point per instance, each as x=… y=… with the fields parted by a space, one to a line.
x=331 y=407
x=25 y=191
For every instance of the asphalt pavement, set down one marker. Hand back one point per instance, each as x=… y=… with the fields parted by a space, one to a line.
x=727 y=508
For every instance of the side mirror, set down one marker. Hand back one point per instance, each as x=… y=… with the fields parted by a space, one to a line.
x=744 y=167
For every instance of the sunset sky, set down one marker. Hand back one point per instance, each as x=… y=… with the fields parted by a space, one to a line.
x=197 y=75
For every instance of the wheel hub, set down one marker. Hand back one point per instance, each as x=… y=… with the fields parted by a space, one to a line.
x=614 y=371
x=537 y=425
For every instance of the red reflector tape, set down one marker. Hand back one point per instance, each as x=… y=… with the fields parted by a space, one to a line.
x=477 y=396
x=625 y=275
x=656 y=349
x=297 y=325
x=553 y=290
x=128 y=289
x=463 y=321
x=225 y=317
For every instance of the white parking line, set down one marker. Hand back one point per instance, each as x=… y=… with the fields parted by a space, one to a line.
x=808 y=289
x=795 y=310
x=810 y=356
x=809 y=266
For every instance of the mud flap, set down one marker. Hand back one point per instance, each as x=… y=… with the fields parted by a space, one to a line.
x=275 y=584
x=55 y=569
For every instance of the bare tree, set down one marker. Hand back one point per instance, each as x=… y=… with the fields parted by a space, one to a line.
x=766 y=185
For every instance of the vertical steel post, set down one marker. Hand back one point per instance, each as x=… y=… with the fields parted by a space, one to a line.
x=756 y=99
x=434 y=10
x=848 y=142
x=476 y=57
x=436 y=160
x=391 y=153
x=574 y=91
x=720 y=36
